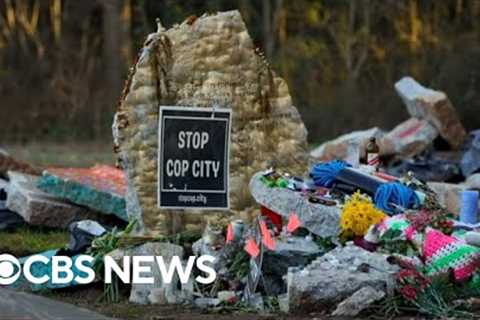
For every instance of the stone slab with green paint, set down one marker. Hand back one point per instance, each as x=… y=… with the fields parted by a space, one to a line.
x=101 y=188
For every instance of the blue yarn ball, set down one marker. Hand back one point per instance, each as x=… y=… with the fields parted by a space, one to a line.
x=324 y=174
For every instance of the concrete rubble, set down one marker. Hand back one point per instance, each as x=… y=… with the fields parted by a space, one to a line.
x=40 y=208
x=317 y=218
x=449 y=195
x=101 y=188
x=336 y=276
x=159 y=292
x=409 y=138
x=357 y=302
x=338 y=148
x=433 y=106
x=470 y=162
x=473 y=182
x=290 y=252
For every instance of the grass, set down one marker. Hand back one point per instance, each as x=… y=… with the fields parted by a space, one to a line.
x=75 y=154
x=29 y=240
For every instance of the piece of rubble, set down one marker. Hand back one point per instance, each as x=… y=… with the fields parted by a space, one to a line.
x=337 y=275
x=433 y=106
x=338 y=148
x=205 y=303
x=40 y=208
x=101 y=188
x=317 y=218
x=82 y=234
x=227 y=296
x=471 y=158
x=212 y=61
x=358 y=302
x=409 y=138
x=289 y=252
x=159 y=292
x=449 y=195
x=473 y=182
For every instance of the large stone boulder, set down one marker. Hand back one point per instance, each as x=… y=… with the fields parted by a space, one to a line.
x=205 y=62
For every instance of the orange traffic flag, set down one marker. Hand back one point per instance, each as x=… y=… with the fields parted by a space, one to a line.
x=267 y=239
x=252 y=248
x=293 y=222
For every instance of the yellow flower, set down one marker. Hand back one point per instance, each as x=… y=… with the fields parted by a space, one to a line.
x=358 y=215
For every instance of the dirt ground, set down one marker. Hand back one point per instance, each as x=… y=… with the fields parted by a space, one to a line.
x=88 y=297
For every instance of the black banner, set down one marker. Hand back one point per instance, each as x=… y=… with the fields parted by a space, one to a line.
x=193 y=158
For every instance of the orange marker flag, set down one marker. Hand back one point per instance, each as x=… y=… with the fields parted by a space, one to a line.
x=293 y=222
x=252 y=248
x=229 y=233
x=266 y=236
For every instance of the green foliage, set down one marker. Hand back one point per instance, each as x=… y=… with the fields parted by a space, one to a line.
x=239 y=265
x=339 y=57
x=326 y=244
x=102 y=246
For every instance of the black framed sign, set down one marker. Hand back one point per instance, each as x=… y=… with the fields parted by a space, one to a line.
x=193 y=158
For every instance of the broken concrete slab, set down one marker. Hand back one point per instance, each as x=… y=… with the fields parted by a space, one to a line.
x=40 y=208
x=159 y=292
x=337 y=275
x=101 y=188
x=449 y=195
x=212 y=61
x=317 y=218
x=433 y=106
x=409 y=138
x=358 y=302
x=338 y=148
x=290 y=252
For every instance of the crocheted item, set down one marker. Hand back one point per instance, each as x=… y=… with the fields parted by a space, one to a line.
x=398 y=222
x=443 y=253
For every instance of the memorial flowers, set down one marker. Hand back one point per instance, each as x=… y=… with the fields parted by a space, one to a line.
x=358 y=214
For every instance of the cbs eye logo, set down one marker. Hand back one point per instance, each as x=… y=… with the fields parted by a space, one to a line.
x=10 y=269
